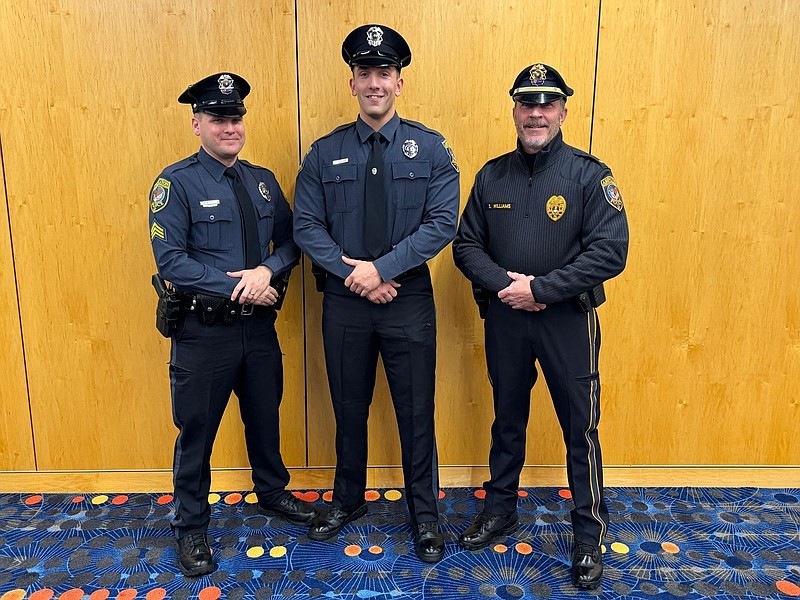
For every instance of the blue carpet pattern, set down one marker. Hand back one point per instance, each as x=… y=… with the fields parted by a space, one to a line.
x=662 y=543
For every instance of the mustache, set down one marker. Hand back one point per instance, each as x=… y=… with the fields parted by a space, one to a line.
x=534 y=123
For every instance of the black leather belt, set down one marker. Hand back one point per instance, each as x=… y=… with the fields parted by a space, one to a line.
x=219 y=309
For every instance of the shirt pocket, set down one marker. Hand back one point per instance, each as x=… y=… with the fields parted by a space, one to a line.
x=410 y=183
x=339 y=182
x=266 y=220
x=212 y=228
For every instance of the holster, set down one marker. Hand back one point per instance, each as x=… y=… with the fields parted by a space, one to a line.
x=168 y=309
x=591 y=299
x=482 y=298
x=281 y=284
x=319 y=276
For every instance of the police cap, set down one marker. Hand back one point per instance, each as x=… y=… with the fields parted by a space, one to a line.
x=222 y=94
x=539 y=84
x=375 y=46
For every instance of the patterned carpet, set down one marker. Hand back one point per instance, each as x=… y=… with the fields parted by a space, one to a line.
x=662 y=543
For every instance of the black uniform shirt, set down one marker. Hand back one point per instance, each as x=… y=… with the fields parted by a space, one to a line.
x=562 y=222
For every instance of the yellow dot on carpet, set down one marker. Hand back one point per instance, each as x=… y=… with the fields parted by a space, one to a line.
x=100 y=499
x=392 y=495
x=214 y=498
x=620 y=548
x=251 y=498
x=255 y=552
x=277 y=551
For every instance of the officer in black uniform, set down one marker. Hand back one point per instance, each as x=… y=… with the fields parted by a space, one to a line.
x=221 y=232
x=543 y=228
x=375 y=200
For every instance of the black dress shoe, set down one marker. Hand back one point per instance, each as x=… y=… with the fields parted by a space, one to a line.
x=429 y=543
x=326 y=526
x=587 y=567
x=194 y=555
x=290 y=508
x=488 y=527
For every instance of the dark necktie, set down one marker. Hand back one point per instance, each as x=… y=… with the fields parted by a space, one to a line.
x=375 y=238
x=252 y=247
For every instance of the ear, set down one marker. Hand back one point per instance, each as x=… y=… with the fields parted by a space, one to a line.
x=352 y=87
x=563 y=114
x=399 y=87
x=195 y=126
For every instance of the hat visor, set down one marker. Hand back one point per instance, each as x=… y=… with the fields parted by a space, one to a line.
x=538 y=97
x=223 y=111
x=375 y=60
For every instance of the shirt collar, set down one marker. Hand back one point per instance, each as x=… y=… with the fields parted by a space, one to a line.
x=387 y=131
x=212 y=165
x=544 y=157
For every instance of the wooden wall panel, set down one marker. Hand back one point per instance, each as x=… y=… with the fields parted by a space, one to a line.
x=697 y=107
x=90 y=122
x=16 y=436
x=465 y=58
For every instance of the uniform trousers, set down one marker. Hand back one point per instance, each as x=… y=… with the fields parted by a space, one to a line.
x=566 y=342
x=207 y=363
x=403 y=332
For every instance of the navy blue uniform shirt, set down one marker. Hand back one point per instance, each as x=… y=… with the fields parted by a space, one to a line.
x=421 y=182
x=196 y=224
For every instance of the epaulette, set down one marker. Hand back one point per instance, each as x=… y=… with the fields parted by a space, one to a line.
x=247 y=163
x=586 y=155
x=420 y=126
x=181 y=164
x=338 y=129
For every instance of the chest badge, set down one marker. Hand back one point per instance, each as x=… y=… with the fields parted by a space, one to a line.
x=556 y=207
x=410 y=148
x=262 y=187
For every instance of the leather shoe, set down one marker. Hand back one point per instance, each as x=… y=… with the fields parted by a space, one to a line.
x=428 y=542
x=290 y=508
x=326 y=526
x=488 y=527
x=194 y=555
x=587 y=567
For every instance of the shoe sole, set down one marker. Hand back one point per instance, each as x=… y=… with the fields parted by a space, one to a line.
x=429 y=559
x=320 y=537
x=195 y=572
x=268 y=512
x=507 y=530
x=587 y=586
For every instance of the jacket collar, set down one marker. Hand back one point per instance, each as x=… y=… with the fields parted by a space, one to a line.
x=387 y=131
x=543 y=159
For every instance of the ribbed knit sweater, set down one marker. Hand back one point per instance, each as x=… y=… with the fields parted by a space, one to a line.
x=559 y=218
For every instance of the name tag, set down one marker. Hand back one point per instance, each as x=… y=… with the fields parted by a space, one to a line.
x=500 y=205
x=209 y=203
x=340 y=161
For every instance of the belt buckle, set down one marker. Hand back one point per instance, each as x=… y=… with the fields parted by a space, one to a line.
x=247 y=309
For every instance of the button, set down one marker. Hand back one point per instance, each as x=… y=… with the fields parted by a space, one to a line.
x=411 y=174
x=211 y=218
x=338 y=177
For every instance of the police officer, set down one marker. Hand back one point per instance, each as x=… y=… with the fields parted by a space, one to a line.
x=221 y=232
x=375 y=200
x=543 y=227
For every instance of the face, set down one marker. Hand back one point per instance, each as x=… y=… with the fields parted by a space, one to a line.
x=538 y=124
x=221 y=137
x=376 y=88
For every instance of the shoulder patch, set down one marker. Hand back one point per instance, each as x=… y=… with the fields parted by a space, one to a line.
x=452 y=156
x=159 y=197
x=611 y=192
x=158 y=231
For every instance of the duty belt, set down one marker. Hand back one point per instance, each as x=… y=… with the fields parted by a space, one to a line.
x=219 y=309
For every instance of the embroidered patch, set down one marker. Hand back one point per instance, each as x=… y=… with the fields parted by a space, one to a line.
x=160 y=195
x=556 y=207
x=611 y=192
x=452 y=156
x=500 y=205
x=157 y=231
x=262 y=187
x=410 y=148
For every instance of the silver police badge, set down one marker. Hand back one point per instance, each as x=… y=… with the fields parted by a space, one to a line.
x=374 y=36
x=410 y=148
x=225 y=84
x=262 y=187
x=538 y=74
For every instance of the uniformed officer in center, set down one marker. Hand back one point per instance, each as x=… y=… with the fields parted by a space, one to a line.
x=221 y=232
x=543 y=228
x=375 y=200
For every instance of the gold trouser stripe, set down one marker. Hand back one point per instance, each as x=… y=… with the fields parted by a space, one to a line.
x=594 y=479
